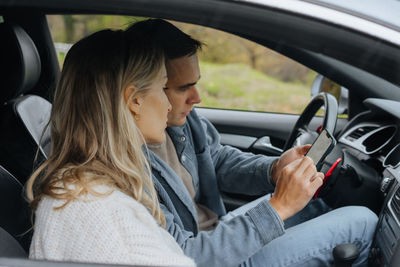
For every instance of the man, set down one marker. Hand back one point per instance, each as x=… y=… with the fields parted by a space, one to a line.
x=192 y=167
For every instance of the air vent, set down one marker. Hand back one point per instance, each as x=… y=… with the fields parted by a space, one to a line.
x=356 y=134
x=395 y=205
x=379 y=138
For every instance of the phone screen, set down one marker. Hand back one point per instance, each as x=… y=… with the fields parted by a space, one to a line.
x=321 y=147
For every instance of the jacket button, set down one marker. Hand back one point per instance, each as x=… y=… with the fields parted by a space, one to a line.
x=183 y=158
x=183 y=138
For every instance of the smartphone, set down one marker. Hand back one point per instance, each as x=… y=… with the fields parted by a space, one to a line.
x=321 y=147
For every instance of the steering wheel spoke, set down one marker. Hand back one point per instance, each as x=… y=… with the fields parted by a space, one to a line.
x=304 y=129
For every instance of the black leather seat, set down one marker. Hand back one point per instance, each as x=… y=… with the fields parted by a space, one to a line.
x=22 y=116
x=15 y=214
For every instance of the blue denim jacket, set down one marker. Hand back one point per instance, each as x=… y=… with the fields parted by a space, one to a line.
x=215 y=168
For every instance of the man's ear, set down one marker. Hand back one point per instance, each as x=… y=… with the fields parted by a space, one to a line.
x=133 y=100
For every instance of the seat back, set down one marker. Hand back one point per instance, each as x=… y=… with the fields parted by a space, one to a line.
x=15 y=214
x=22 y=116
x=9 y=247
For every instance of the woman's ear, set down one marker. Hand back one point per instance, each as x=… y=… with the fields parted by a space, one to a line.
x=134 y=101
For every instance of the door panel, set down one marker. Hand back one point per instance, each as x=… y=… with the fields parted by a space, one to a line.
x=250 y=124
x=257 y=132
x=248 y=130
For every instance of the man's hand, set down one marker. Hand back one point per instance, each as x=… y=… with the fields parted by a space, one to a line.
x=289 y=156
x=297 y=183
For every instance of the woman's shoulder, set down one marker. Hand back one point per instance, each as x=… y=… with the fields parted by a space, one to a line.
x=101 y=201
x=118 y=226
x=93 y=213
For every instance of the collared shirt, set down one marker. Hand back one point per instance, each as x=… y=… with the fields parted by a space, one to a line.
x=207 y=219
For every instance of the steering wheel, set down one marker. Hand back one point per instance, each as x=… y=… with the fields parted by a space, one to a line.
x=301 y=134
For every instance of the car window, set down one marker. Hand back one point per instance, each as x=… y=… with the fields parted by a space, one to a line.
x=235 y=73
x=68 y=29
x=240 y=74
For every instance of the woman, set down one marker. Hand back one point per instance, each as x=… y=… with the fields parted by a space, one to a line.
x=94 y=199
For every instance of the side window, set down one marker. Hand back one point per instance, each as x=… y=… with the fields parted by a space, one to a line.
x=68 y=29
x=240 y=74
x=235 y=73
x=323 y=84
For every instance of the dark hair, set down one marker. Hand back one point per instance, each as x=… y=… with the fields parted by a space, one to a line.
x=174 y=42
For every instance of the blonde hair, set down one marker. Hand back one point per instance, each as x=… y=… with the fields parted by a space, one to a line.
x=94 y=138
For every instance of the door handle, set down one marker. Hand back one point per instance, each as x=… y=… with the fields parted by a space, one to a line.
x=264 y=144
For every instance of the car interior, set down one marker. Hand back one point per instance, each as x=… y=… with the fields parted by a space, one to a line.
x=368 y=140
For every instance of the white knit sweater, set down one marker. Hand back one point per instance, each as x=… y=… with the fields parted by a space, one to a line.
x=112 y=229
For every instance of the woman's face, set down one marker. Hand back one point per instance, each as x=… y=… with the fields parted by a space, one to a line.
x=152 y=116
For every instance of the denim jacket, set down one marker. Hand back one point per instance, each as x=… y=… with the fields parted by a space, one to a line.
x=215 y=168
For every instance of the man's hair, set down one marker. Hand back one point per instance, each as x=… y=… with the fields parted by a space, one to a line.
x=175 y=43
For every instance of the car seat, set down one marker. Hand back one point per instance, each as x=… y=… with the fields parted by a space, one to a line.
x=22 y=116
x=9 y=247
x=15 y=214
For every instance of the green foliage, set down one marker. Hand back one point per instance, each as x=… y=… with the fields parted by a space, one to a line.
x=71 y=28
x=221 y=47
x=238 y=86
x=61 y=58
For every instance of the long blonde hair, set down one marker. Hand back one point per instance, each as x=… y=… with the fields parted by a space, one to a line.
x=94 y=138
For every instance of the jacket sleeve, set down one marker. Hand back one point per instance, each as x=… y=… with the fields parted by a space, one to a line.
x=237 y=171
x=224 y=246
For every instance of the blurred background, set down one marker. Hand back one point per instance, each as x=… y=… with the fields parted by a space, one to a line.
x=235 y=73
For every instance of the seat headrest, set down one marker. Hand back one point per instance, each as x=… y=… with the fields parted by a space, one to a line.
x=19 y=62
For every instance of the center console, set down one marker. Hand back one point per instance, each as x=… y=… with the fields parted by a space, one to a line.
x=386 y=250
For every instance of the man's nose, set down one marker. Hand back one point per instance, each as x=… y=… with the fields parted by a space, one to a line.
x=194 y=97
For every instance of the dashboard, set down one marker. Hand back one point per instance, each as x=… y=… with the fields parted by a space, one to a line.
x=368 y=174
x=372 y=141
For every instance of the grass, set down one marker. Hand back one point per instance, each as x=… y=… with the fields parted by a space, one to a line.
x=237 y=86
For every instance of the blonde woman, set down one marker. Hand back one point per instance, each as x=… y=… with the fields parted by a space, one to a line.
x=94 y=199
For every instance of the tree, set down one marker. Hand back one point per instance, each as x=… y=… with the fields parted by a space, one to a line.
x=69 y=27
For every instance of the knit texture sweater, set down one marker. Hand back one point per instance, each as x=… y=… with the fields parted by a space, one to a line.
x=112 y=229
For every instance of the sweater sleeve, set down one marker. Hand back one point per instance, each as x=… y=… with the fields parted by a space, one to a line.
x=115 y=229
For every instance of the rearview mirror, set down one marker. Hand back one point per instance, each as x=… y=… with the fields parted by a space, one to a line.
x=323 y=84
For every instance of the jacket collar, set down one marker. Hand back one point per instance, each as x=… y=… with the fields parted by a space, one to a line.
x=173 y=181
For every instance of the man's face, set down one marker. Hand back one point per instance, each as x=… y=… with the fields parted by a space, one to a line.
x=183 y=74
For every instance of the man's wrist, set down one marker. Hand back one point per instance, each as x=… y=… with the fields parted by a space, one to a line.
x=272 y=172
x=280 y=210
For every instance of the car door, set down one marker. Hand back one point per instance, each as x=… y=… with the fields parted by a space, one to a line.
x=255 y=103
